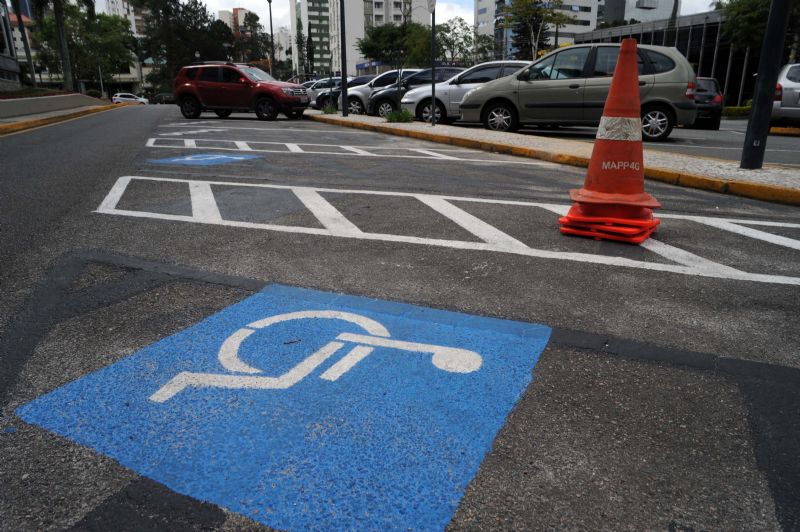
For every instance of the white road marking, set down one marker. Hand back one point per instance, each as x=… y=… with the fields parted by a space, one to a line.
x=328 y=215
x=337 y=225
x=252 y=146
x=204 y=207
x=192 y=132
x=227 y=127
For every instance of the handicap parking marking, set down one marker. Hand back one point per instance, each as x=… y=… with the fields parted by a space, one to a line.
x=203 y=159
x=309 y=410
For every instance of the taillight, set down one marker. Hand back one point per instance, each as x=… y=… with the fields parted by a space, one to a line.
x=690 y=91
x=717 y=99
x=778 y=92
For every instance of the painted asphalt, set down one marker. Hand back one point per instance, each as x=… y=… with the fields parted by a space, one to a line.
x=661 y=399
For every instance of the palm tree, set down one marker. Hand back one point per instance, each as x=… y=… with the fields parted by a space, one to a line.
x=39 y=7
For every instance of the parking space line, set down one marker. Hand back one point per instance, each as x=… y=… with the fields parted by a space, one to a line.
x=294 y=148
x=328 y=215
x=435 y=154
x=752 y=233
x=476 y=226
x=204 y=207
x=227 y=127
x=243 y=145
x=337 y=225
x=358 y=151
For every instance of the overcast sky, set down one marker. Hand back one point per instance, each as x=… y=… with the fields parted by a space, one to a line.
x=445 y=10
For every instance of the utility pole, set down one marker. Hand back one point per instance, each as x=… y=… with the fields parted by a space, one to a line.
x=271 y=41
x=343 y=41
x=432 y=9
x=755 y=140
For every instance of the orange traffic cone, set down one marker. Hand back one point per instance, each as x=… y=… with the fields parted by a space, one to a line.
x=612 y=204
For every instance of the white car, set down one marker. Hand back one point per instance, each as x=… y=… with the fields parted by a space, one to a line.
x=126 y=97
x=357 y=97
x=449 y=93
x=786 y=107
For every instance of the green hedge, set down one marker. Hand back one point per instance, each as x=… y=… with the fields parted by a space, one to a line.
x=737 y=111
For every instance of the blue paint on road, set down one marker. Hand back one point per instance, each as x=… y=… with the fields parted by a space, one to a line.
x=392 y=443
x=204 y=159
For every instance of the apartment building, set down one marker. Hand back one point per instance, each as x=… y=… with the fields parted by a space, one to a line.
x=226 y=17
x=283 y=43
x=135 y=15
x=484 y=17
x=640 y=10
x=363 y=14
x=313 y=17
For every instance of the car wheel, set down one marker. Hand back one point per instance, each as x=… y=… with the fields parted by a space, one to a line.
x=500 y=116
x=424 y=112
x=715 y=122
x=384 y=108
x=657 y=123
x=322 y=103
x=190 y=107
x=294 y=115
x=224 y=113
x=266 y=109
x=354 y=106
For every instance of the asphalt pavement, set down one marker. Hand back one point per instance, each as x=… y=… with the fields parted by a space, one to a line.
x=664 y=391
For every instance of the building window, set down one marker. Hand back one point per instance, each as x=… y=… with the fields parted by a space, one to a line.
x=482 y=11
x=398 y=18
x=378 y=18
x=398 y=5
x=378 y=5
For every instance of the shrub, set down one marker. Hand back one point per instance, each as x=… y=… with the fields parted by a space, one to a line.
x=329 y=109
x=743 y=111
x=401 y=115
x=94 y=93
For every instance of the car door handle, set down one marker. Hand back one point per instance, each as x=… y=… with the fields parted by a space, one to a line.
x=574 y=86
x=642 y=83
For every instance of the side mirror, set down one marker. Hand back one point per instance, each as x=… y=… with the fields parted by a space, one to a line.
x=524 y=75
x=243 y=80
x=456 y=81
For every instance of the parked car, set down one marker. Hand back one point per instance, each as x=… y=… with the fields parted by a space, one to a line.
x=708 y=98
x=319 y=86
x=383 y=101
x=786 y=107
x=324 y=97
x=228 y=87
x=164 y=97
x=126 y=97
x=449 y=93
x=357 y=96
x=569 y=87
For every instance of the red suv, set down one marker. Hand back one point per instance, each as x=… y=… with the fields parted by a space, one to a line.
x=228 y=87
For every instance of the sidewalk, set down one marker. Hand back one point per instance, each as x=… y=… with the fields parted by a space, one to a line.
x=771 y=183
x=14 y=124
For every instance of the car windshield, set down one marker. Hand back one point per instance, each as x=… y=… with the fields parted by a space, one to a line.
x=256 y=74
x=707 y=85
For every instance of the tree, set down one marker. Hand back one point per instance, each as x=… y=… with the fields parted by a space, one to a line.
x=456 y=39
x=39 y=7
x=527 y=19
x=407 y=43
x=310 y=53
x=746 y=21
x=300 y=41
x=482 y=49
x=97 y=44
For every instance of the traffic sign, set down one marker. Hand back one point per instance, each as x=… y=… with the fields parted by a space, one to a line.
x=204 y=159
x=304 y=409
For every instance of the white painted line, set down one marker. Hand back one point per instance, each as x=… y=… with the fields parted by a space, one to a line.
x=243 y=146
x=337 y=225
x=328 y=215
x=294 y=148
x=476 y=226
x=434 y=154
x=204 y=207
x=227 y=127
x=752 y=233
x=358 y=151
x=189 y=143
x=151 y=143
x=684 y=257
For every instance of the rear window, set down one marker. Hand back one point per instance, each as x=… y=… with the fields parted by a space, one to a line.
x=794 y=74
x=190 y=73
x=605 y=61
x=210 y=74
x=659 y=62
x=707 y=85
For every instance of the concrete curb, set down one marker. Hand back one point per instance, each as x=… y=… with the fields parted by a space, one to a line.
x=773 y=193
x=6 y=129
x=785 y=131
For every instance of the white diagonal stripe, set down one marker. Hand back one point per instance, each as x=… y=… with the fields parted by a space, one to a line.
x=204 y=207
x=328 y=215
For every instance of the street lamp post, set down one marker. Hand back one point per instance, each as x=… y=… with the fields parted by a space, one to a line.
x=432 y=9
x=271 y=40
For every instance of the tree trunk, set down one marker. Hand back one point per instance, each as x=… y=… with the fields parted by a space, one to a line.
x=66 y=66
x=24 y=34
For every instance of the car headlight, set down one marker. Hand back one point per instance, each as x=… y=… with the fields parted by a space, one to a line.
x=287 y=91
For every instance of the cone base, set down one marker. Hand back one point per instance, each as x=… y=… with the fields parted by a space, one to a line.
x=643 y=199
x=601 y=232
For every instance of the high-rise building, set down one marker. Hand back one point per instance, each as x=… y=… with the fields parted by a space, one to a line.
x=237 y=19
x=484 y=17
x=312 y=17
x=283 y=43
x=616 y=11
x=135 y=15
x=363 y=14
x=226 y=17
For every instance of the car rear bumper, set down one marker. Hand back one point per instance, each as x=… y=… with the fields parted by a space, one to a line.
x=781 y=111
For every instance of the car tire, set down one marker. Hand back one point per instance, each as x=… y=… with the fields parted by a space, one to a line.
x=424 y=112
x=294 y=115
x=714 y=123
x=354 y=106
x=322 y=103
x=500 y=116
x=223 y=113
x=266 y=109
x=190 y=107
x=657 y=123
x=384 y=107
